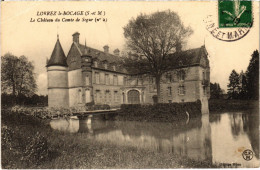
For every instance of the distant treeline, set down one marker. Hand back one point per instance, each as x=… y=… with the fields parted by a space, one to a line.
x=34 y=100
x=245 y=85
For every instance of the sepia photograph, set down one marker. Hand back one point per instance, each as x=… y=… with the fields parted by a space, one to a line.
x=129 y=84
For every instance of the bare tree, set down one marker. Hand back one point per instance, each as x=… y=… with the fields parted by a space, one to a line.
x=17 y=76
x=151 y=39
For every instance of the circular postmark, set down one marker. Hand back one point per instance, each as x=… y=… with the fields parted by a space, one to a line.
x=248 y=154
x=234 y=20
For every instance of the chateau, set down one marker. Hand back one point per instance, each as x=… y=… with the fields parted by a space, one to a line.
x=89 y=75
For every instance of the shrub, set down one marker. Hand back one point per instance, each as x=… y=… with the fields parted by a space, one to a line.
x=6 y=135
x=159 y=112
x=26 y=149
x=36 y=150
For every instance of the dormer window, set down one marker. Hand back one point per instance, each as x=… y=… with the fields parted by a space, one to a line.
x=105 y=64
x=168 y=78
x=95 y=63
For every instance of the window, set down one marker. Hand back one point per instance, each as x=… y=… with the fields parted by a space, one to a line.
x=181 y=75
x=87 y=80
x=203 y=75
x=168 y=78
x=204 y=90
x=123 y=95
x=107 y=79
x=151 y=80
x=116 y=97
x=97 y=77
x=139 y=81
x=98 y=96
x=181 y=90
x=115 y=80
x=107 y=96
x=125 y=81
x=79 y=96
x=169 y=90
x=87 y=96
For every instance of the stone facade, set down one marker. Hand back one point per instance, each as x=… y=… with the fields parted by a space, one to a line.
x=89 y=75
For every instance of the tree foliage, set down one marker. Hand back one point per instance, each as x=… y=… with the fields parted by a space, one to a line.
x=252 y=75
x=151 y=38
x=215 y=91
x=17 y=75
x=233 y=86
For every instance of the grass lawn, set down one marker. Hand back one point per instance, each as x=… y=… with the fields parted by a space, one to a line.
x=29 y=142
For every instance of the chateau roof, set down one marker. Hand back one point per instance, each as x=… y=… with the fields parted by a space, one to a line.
x=192 y=57
x=188 y=58
x=183 y=58
x=97 y=54
x=58 y=57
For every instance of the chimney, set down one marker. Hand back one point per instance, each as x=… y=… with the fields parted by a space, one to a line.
x=178 y=47
x=116 y=52
x=76 y=37
x=106 y=49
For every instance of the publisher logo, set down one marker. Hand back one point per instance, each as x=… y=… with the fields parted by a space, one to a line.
x=247 y=155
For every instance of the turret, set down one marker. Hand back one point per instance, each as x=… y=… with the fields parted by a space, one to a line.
x=57 y=72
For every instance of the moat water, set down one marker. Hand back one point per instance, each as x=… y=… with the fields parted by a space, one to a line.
x=220 y=138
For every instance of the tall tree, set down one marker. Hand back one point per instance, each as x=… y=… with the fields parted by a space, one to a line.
x=151 y=38
x=233 y=86
x=242 y=86
x=17 y=75
x=215 y=91
x=252 y=75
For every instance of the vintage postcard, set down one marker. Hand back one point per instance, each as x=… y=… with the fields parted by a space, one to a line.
x=128 y=84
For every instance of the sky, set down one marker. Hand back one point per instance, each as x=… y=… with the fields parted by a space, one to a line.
x=36 y=40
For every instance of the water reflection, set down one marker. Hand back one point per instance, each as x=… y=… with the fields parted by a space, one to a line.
x=220 y=140
x=229 y=140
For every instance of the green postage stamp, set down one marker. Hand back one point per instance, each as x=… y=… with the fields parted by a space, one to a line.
x=232 y=21
x=235 y=14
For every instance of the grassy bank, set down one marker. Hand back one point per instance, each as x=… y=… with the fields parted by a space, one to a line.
x=29 y=142
x=221 y=105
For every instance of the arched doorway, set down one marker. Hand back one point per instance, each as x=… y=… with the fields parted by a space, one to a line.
x=133 y=97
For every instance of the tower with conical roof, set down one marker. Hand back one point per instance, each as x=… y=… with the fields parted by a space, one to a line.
x=57 y=72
